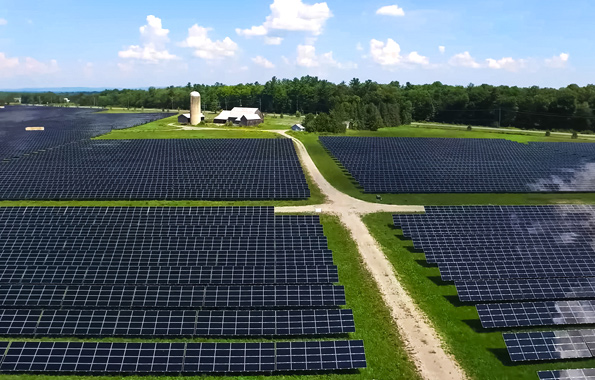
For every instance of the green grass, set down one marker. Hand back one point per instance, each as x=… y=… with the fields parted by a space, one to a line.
x=161 y=129
x=342 y=180
x=386 y=356
x=480 y=352
x=137 y=110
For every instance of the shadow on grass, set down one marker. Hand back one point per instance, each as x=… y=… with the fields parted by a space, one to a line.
x=439 y=281
x=455 y=301
x=425 y=264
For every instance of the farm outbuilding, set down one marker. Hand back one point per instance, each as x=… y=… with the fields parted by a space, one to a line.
x=185 y=118
x=298 y=128
x=240 y=116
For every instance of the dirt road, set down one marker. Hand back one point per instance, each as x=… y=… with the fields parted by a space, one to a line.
x=420 y=338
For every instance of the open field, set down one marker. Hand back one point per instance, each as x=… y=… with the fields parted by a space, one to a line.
x=341 y=179
x=480 y=352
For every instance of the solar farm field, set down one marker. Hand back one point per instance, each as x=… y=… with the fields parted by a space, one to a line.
x=61 y=126
x=193 y=169
x=235 y=272
x=428 y=165
x=509 y=287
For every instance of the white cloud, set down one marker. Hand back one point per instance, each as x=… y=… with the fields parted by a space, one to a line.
x=558 y=61
x=506 y=63
x=154 y=39
x=464 y=60
x=359 y=47
x=254 y=31
x=416 y=58
x=88 y=69
x=391 y=10
x=206 y=48
x=273 y=40
x=388 y=54
x=293 y=16
x=27 y=66
x=3 y=21
x=306 y=57
x=442 y=49
x=261 y=61
x=147 y=54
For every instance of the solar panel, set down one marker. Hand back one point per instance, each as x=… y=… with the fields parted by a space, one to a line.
x=548 y=345
x=151 y=323
x=188 y=358
x=522 y=314
x=451 y=165
x=568 y=374
x=518 y=290
x=209 y=169
x=171 y=273
x=460 y=271
x=320 y=356
x=189 y=275
x=62 y=125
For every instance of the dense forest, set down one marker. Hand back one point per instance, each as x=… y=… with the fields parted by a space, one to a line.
x=368 y=105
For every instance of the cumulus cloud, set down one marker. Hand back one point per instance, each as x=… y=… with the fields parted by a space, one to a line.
x=388 y=54
x=391 y=10
x=464 y=60
x=154 y=39
x=261 y=61
x=290 y=15
x=14 y=66
x=3 y=21
x=206 y=48
x=306 y=57
x=441 y=49
x=558 y=61
x=273 y=40
x=506 y=63
x=415 y=57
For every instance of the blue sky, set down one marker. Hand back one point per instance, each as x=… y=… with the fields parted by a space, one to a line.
x=66 y=43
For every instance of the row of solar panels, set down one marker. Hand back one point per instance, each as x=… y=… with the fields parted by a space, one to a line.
x=170 y=297
x=186 y=275
x=175 y=323
x=171 y=358
x=261 y=257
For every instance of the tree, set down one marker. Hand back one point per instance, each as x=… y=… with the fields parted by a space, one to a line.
x=308 y=123
x=372 y=119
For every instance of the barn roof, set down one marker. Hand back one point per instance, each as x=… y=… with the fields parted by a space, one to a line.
x=251 y=117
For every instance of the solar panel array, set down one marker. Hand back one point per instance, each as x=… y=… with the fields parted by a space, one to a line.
x=174 y=358
x=115 y=278
x=209 y=169
x=538 y=258
x=61 y=126
x=450 y=165
x=568 y=374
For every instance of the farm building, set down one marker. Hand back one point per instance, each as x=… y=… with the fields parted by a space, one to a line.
x=298 y=128
x=240 y=116
x=185 y=118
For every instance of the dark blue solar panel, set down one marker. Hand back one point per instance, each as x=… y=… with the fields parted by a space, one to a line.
x=443 y=165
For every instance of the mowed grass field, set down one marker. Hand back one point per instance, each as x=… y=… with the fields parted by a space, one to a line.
x=480 y=352
x=343 y=181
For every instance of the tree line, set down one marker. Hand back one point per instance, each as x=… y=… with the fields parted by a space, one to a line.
x=366 y=105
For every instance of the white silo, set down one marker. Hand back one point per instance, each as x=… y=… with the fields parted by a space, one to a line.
x=195 y=110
